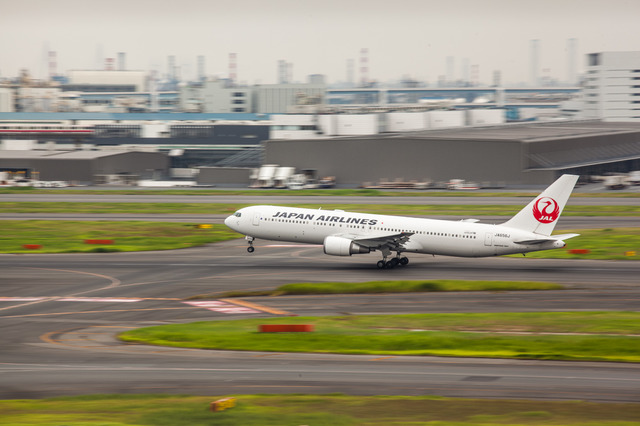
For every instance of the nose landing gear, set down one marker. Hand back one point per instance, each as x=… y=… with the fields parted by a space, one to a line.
x=251 y=248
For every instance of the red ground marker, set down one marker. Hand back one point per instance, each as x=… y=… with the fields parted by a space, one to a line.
x=101 y=242
x=285 y=328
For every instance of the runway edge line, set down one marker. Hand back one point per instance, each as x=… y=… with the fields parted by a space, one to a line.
x=258 y=307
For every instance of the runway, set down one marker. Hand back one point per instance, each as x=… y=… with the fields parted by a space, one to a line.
x=60 y=314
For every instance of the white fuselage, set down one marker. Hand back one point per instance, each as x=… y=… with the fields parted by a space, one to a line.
x=438 y=237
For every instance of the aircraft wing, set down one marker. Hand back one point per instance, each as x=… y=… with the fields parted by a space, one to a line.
x=546 y=239
x=377 y=241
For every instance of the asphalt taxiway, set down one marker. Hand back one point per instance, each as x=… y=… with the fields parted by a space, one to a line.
x=60 y=315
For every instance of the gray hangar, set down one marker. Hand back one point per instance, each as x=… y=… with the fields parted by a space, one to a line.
x=85 y=166
x=516 y=154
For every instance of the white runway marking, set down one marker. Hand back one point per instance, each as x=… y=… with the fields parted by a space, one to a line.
x=20 y=299
x=70 y=299
x=225 y=308
x=97 y=299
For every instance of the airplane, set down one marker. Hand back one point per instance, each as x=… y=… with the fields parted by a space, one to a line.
x=344 y=233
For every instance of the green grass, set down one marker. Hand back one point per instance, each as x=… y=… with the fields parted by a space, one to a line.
x=603 y=244
x=329 y=410
x=69 y=236
x=394 y=287
x=597 y=336
x=306 y=192
x=229 y=208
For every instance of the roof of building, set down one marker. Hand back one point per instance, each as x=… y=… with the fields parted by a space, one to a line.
x=529 y=132
x=24 y=154
x=63 y=155
x=159 y=116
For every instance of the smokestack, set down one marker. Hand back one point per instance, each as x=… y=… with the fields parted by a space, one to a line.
x=108 y=64
x=364 y=67
x=122 y=66
x=475 y=75
x=497 y=78
x=233 y=68
x=350 y=72
x=450 y=73
x=201 y=68
x=535 y=57
x=572 y=57
x=171 y=68
x=53 y=65
x=283 y=72
x=465 y=70
x=99 y=57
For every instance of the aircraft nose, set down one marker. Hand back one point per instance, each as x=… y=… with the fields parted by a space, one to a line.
x=233 y=222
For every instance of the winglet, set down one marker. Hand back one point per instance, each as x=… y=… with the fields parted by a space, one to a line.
x=541 y=214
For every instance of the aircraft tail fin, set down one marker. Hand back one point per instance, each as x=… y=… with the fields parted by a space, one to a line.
x=541 y=215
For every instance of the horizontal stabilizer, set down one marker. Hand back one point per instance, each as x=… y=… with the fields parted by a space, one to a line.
x=547 y=239
x=564 y=236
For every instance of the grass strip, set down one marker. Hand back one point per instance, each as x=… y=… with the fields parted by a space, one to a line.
x=69 y=236
x=593 y=336
x=393 y=287
x=603 y=244
x=229 y=208
x=304 y=192
x=333 y=409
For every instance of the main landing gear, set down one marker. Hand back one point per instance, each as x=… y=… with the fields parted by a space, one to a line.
x=390 y=264
x=251 y=248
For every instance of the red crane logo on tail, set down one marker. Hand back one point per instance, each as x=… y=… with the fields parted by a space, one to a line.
x=546 y=210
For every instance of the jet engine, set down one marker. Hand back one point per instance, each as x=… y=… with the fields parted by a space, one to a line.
x=339 y=246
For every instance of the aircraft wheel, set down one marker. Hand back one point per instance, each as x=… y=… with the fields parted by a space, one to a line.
x=404 y=261
x=394 y=262
x=251 y=249
x=380 y=264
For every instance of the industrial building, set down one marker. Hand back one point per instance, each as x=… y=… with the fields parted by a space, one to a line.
x=107 y=81
x=278 y=98
x=422 y=146
x=517 y=154
x=216 y=96
x=87 y=167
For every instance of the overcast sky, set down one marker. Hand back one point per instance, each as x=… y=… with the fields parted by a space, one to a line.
x=404 y=37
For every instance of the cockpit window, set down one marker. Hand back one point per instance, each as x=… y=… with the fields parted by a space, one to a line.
x=237 y=214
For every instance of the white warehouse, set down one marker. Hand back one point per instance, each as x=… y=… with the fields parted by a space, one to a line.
x=314 y=126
